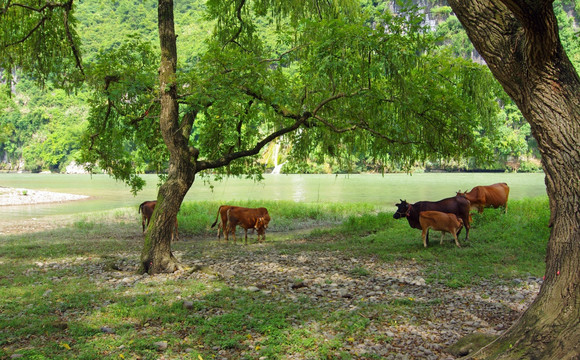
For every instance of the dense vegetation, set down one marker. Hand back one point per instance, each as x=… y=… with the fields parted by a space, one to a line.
x=42 y=128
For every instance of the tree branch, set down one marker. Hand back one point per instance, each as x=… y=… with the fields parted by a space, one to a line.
x=20 y=41
x=239 y=16
x=71 y=42
x=225 y=160
x=300 y=120
x=279 y=58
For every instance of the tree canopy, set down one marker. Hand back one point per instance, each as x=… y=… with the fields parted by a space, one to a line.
x=383 y=90
x=103 y=40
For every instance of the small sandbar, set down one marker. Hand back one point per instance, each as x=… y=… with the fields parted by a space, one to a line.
x=14 y=196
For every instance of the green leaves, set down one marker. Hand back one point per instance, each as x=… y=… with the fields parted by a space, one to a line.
x=123 y=136
x=45 y=29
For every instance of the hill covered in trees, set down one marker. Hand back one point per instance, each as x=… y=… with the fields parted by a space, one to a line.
x=41 y=128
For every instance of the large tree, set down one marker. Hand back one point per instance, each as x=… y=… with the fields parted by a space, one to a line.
x=519 y=41
x=332 y=81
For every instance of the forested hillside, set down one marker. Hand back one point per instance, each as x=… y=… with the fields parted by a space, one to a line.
x=41 y=128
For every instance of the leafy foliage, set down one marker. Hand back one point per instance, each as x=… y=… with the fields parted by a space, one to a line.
x=121 y=132
x=46 y=29
x=402 y=98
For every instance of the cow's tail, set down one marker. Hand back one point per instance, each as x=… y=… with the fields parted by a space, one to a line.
x=216 y=218
x=140 y=207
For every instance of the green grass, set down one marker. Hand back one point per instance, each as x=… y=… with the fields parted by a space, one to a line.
x=56 y=293
x=500 y=247
x=196 y=217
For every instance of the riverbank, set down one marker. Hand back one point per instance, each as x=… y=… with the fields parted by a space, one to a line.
x=18 y=196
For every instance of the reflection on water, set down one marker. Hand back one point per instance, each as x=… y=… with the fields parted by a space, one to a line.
x=386 y=190
x=298 y=191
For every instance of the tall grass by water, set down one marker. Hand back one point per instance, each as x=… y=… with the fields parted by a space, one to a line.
x=70 y=292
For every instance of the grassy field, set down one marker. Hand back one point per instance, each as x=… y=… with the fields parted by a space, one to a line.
x=72 y=292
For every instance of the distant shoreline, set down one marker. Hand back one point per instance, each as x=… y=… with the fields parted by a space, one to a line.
x=18 y=196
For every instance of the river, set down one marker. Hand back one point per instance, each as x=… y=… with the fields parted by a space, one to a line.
x=383 y=190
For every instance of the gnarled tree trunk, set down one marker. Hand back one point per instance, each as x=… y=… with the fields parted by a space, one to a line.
x=519 y=41
x=156 y=256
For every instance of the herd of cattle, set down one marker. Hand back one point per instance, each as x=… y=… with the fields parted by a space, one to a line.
x=449 y=215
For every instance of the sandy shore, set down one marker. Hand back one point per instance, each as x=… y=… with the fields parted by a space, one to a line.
x=14 y=196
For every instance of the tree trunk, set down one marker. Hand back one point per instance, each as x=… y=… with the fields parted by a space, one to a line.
x=520 y=43
x=156 y=256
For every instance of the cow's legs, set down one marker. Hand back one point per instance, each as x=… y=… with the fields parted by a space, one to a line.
x=442 y=235
x=424 y=235
x=246 y=238
x=456 y=241
x=228 y=231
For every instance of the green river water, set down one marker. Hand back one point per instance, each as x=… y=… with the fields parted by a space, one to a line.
x=383 y=190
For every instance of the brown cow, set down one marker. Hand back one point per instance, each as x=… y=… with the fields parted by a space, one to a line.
x=222 y=212
x=440 y=221
x=247 y=218
x=146 y=209
x=495 y=195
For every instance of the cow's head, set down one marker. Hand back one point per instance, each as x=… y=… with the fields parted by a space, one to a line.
x=261 y=225
x=462 y=194
x=402 y=209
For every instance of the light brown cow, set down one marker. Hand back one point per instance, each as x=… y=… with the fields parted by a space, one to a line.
x=146 y=209
x=440 y=221
x=495 y=195
x=222 y=213
x=247 y=218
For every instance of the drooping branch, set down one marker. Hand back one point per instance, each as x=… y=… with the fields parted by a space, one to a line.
x=300 y=120
x=239 y=16
x=69 y=36
x=225 y=160
x=27 y=36
x=47 y=7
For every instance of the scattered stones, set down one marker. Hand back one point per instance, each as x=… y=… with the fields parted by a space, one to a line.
x=405 y=317
x=161 y=345
x=107 y=330
x=188 y=305
x=443 y=315
x=11 y=196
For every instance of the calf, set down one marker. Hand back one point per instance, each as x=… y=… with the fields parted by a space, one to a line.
x=247 y=218
x=440 y=221
x=146 y=209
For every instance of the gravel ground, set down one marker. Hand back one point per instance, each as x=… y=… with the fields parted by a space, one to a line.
x=441 y=317
x=12 y=196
